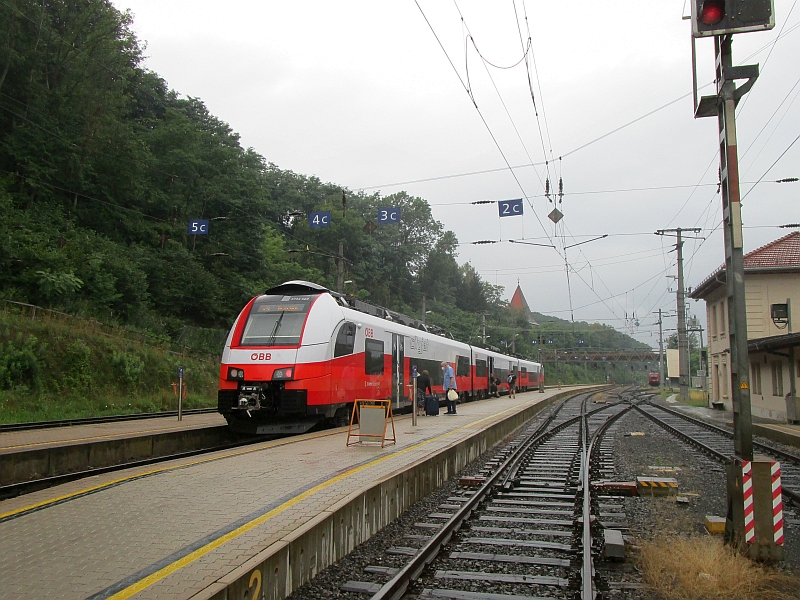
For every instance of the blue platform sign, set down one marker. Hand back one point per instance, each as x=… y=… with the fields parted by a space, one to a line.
x=319 y=219
x=388 y=214
x=198 y=227
x=510 y=208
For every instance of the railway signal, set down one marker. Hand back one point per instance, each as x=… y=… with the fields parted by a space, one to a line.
x=721 y=17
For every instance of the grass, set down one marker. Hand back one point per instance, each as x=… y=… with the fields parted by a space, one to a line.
x=703 y=568
x=696 y=397
x=52 y=369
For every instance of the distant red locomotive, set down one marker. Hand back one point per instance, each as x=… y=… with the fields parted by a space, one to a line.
x=300 y=355
x=654 y=378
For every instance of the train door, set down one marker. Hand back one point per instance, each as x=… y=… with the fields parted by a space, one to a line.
x=398 y=363
x=490 y=361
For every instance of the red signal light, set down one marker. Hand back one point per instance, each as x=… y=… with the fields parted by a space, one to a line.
x=712 y=12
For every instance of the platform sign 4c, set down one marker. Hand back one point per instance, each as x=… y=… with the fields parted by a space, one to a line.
x=198 y=227
x=319 y=219
x=510 y=208
x=388 y=215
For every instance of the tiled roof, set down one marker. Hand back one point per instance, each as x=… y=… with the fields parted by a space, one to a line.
x=783 y=253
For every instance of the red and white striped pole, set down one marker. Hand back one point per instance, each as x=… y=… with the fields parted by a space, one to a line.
x=747 y=492
x=777 y=504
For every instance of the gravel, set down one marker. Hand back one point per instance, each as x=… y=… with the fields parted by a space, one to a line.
x=656 y=454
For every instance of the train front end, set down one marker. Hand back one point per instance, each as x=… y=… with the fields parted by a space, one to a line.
x=270 y=382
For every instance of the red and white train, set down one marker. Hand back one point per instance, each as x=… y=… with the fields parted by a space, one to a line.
x=301 y=354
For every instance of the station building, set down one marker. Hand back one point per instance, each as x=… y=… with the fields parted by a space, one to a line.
x=772 y=288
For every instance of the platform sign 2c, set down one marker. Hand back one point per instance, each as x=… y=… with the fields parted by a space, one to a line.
x=510 y=208
x=198 y=227
x=388 y=215
x=319 y=219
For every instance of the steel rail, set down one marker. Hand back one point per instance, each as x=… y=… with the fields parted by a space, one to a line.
x=396 y=587
x=789 y=493
x=727 y=432
x=588 y=589
x=94 y=420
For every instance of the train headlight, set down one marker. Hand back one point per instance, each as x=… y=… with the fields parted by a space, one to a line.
x=284 y=374
x=235 y=374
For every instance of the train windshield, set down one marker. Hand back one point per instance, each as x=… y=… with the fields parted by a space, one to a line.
x=276 y=321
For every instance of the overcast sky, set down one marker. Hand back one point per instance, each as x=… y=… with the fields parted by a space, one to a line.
x=361 y=94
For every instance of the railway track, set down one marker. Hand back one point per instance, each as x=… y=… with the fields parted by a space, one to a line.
x=94 y=420
x=532 y=528
x=717 y=442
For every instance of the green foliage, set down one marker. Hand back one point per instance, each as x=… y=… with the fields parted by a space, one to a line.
x=19 y=362
x=52 y=370
x=102 y=166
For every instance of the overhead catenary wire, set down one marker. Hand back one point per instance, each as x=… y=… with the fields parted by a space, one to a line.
x=480 y=114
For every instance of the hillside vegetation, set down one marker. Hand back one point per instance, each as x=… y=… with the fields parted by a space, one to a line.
x=54 y=369
x=101 y=168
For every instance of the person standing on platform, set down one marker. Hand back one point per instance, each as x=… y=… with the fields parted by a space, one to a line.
x=512 y=385
x=423 y=391
x=449 y=383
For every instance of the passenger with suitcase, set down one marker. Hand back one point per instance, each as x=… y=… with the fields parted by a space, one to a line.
x=423 y=391
x=432 y=405
x=450 y=387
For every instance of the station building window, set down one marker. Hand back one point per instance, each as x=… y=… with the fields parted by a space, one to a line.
x=755 y=377
x=777 y=378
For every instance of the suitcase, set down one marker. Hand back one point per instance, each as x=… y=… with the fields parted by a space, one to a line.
x=432 y=405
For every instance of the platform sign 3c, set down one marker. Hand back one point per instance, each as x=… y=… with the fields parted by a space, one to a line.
x=510 y=208
x=388 y=215
x=319 y=219
x=198 y=227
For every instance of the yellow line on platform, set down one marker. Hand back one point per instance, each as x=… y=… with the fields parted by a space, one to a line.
x=100 y=486
x=200 y=552
x=121 y=435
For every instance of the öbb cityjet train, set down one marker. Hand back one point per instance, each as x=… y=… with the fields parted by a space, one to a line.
x=300 y=355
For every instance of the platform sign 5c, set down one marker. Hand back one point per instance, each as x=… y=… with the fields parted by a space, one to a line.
x=388 y=215
x=510 y=208
x=198 y=227
x=319 y=219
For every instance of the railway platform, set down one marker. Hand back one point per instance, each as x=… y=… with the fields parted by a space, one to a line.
x=34 y=453
x=785 y=433
x=262 y=519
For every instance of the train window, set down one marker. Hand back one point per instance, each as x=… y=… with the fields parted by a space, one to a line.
x=524 y=371
x=345 y=340
x=275 y=321
x=462 y=366
x=480 y=367
x=373 y=355
x=433 y=368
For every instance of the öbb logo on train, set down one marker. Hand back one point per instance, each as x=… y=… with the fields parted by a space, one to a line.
x=261 y=356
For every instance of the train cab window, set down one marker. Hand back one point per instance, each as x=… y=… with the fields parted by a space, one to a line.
x=345 y=340
x=480 y=367
x=462 y=366
x=373 y=355
x=276 y=321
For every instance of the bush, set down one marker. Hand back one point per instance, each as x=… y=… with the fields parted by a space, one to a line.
x=19 y=363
